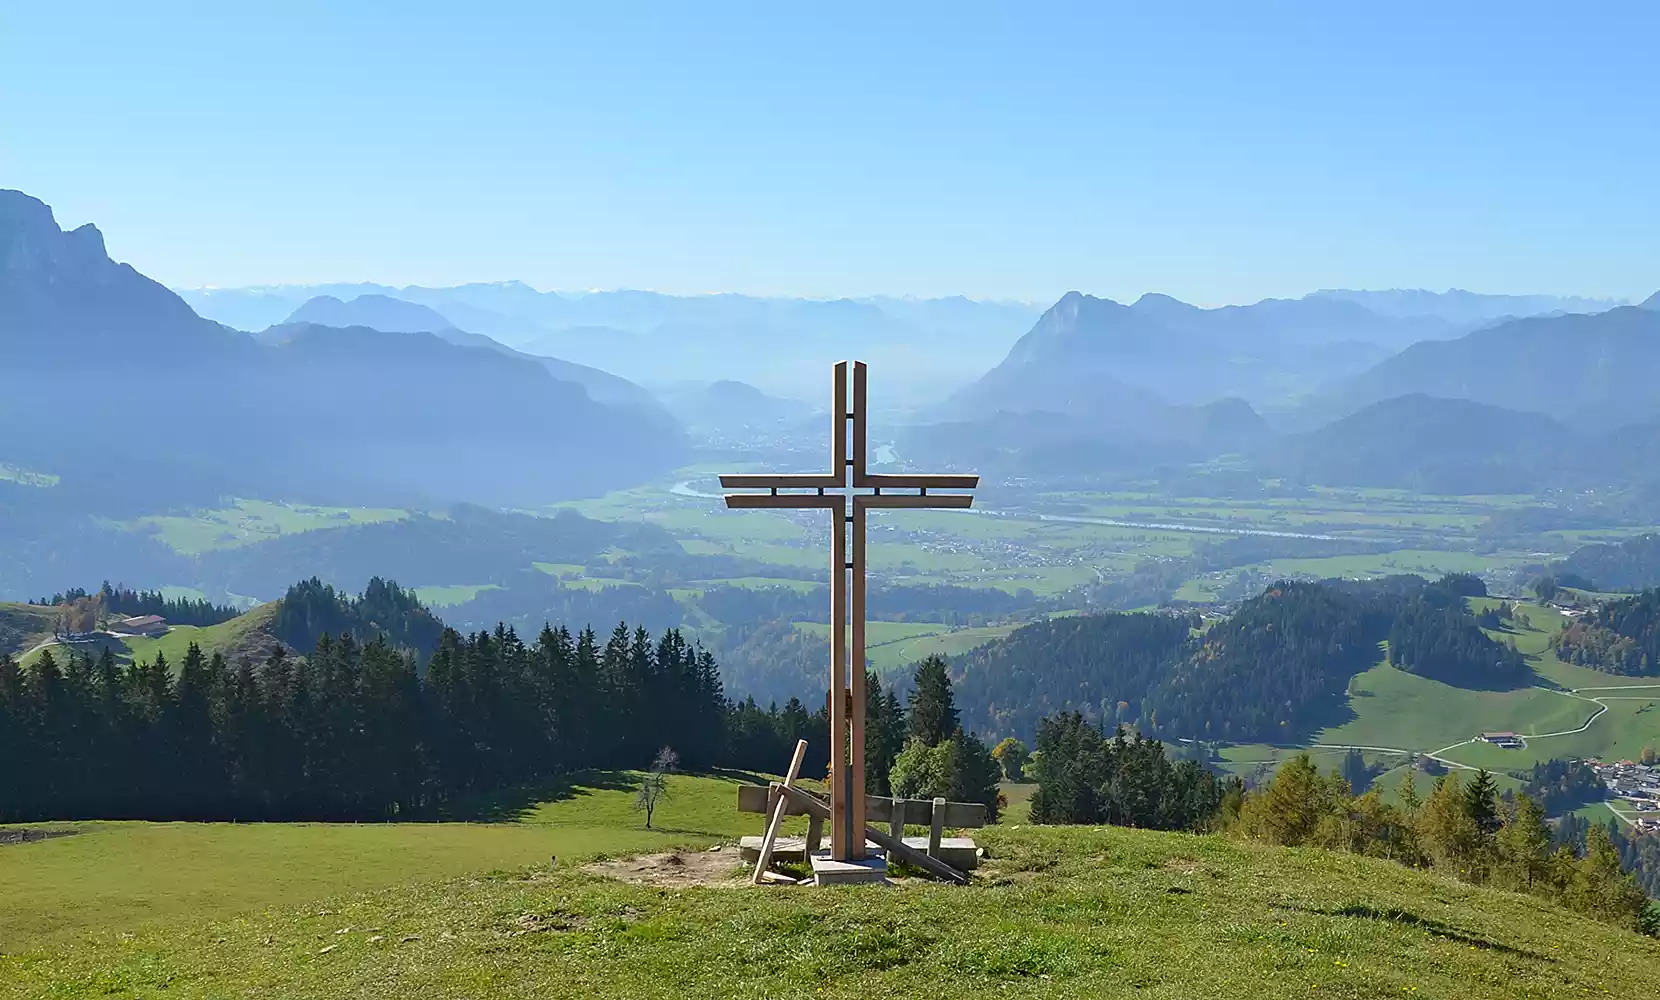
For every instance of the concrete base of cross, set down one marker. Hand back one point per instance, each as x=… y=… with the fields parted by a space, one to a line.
x=826 y=871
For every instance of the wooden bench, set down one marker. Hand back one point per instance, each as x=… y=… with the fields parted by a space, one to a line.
x=960 y=853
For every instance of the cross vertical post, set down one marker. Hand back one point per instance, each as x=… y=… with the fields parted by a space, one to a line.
x=849 y=474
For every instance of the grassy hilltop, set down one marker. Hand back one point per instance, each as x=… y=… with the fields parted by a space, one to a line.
x=474 y=909
x=246 y=634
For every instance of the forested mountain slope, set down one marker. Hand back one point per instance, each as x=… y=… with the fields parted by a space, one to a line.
x=1590 y=370
x=1430 y=445
x=1633 y=564
x=1275 y=670
x=1622 y=637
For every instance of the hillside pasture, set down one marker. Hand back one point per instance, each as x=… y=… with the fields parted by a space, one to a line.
x=1056 y=912
x=248 y=522
x=114 y=878
x=224 y=637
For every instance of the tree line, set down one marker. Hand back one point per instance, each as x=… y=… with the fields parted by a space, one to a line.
x=1621 y=637
x=353 y=730
x=80 y=611
x=1560 y=785
x=1463 y=830
x=1435 y=635
x=1083 y=777
x=371 y=725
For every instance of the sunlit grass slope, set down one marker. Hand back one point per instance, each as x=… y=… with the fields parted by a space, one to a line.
x=1060 y=912
x=117 y=877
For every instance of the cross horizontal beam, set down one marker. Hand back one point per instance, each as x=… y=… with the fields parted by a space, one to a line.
x=911 y=501
x=815 y=480
x=788 y=481
x=926 y=481
x=833 y=501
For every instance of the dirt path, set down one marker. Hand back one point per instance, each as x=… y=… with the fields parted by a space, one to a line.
x=718 y=866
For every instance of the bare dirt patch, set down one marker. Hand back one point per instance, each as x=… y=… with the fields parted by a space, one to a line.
x=29 y=836
x=676 y=869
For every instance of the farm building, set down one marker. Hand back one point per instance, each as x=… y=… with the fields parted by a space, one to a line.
x=151 y=625
x=1509 y=741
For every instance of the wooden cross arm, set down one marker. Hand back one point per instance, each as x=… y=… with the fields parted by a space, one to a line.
x=932 y=501
x=917 y=481
x=784 y=481
x=753 y=501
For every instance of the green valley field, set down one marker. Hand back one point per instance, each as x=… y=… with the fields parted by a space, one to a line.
x=474 y=909
x=1560 y=715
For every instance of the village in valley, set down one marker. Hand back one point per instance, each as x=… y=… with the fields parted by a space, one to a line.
x=1635 y=785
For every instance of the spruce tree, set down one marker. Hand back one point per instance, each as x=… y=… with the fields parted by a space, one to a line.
x=1524 y=844
x=933 y=716
x=1481 y=802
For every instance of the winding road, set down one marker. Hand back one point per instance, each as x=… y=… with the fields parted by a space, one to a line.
x=1435 y=755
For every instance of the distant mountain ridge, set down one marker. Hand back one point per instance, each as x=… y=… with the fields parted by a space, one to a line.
x=1456 y=305
x=382 y=312
x=1596 y=371
x=779 y=344
x=1182 y=353
x=177 y=406
x=64 y=298
x=1431 y=445
x=730 y=408
x=378 y=312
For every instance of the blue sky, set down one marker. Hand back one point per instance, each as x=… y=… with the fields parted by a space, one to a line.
x=1220 y=152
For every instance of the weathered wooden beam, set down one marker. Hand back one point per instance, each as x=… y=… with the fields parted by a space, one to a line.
x=936 y=829
x=765 y=860
x=856 y=681
x=785 y=501
x=860 y=435
x=909 y=501
x=878 y=808
x=781 y=481
x=895 y=848
x=896 y=825
x=920 y=481
x=842 y=833
x=838 y=424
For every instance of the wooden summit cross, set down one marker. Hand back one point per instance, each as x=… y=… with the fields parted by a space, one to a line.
x=849 y=479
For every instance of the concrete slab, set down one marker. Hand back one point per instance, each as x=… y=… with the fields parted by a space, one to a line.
x=870 y=871
x=960 y=853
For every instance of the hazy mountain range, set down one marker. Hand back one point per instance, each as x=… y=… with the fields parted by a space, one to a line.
x=382 y=312
x=361 y=391
x=107 y=370
x=1406 y=397
x=926 y=346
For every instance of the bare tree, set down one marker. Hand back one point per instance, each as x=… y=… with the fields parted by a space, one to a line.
x=654 y=786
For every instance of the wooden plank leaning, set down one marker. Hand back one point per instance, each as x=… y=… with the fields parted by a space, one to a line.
x=936 y=828
x=765 y=860
x=895 y=848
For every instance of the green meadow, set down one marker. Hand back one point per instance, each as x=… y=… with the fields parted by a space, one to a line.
x=247 y=522
x=113 y=878
x=1394 y=709
x=449 y=596
x=173 y=645
x=1055 y=912
x=892 y=646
